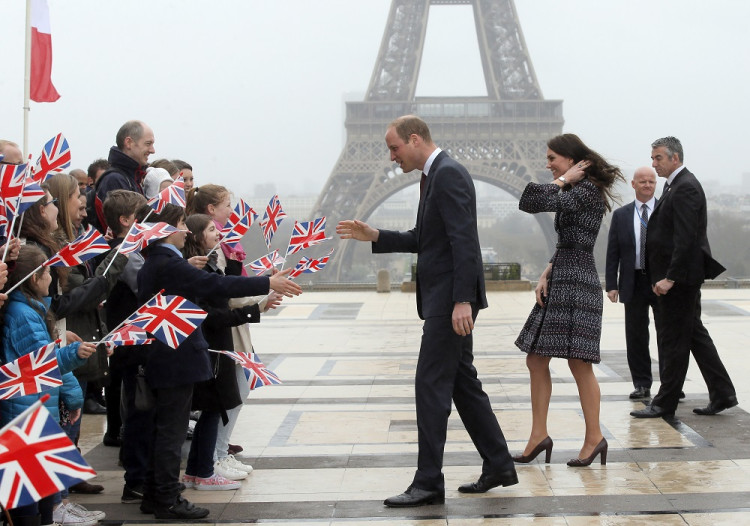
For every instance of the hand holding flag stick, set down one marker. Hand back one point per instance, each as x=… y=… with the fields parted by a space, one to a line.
x=84 y=247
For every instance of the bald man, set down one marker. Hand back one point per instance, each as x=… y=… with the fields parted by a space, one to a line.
x=626 y=252
x=83 y=179
x=11 y=152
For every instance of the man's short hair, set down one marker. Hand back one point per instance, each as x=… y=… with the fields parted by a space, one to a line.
x=167 y=165
x=5 y=143
x=99 y=164
x=132 y=129
x=672 y=144
x=120 y=203
x=411 y=124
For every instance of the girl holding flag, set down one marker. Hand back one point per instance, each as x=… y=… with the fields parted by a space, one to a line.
x=29 y=325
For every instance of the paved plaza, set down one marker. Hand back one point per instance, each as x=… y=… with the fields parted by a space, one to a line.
x=339 y=435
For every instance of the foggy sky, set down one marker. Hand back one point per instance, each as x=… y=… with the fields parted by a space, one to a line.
x=251 y=92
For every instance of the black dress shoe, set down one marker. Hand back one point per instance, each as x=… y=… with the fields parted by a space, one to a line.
x=181 y=509
x=716 y=406
x=92 y=407
x=640 y=392
x=487 y=481
x=86 y=488
x=652 y=411
x=415 y=497
x=110 y=441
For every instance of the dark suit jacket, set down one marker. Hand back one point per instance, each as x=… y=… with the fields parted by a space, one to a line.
x=676 y=245
x=449 y=262
x=164 y=269
x=621 y=253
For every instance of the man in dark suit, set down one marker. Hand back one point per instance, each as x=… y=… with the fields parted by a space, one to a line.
x=679 y=259
x=626 y=251
x=450 y=292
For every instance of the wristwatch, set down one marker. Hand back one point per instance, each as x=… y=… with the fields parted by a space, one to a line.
x=562 y=178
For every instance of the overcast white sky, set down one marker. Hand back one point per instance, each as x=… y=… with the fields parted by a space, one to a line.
x=253 y=91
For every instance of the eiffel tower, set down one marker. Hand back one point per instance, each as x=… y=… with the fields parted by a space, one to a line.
x=500 y=138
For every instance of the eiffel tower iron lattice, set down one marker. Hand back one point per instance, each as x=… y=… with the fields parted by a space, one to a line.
x=500 y=138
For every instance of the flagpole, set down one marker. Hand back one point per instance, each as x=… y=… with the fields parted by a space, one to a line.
x=13 y=223
x=213 y=249
x=119 y=248
x=27 y=82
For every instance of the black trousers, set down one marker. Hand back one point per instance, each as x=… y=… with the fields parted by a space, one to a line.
x=137 y=430
x=171 y=417
x=682 y=331
x=637 y=338
x=445 y=372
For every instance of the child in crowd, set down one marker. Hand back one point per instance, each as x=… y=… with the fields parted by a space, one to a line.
x=214 y=201
x=120 y=208
x=29 y=325
x=171 y=373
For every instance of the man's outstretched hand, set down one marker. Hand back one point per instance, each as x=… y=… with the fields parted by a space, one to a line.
x=355 y=229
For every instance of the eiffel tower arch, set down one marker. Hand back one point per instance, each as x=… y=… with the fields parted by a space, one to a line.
x=500 y=138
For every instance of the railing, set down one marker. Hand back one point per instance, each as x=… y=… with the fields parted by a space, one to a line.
x=492 y=271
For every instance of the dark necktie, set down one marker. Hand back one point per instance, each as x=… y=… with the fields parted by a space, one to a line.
x=644 y=222
x=421 y=185
x=665 y=189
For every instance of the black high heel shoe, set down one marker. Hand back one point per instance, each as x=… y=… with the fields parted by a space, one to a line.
x=601 y=447
x=544 y=445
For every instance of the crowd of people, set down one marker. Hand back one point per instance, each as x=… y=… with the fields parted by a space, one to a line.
x=150 y=394
x=659 y=249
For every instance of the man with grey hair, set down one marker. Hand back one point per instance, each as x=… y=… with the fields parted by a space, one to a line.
x=678 y=261
x=128 y=161
x=11 y=152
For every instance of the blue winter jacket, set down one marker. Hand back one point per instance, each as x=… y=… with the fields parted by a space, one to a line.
x=24 y=331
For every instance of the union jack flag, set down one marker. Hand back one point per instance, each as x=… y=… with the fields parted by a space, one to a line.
x=30 y=194
x=239 y=223
x=172 y=194
x=31 y=373
x=37 y=458
x=89 y=244
x=307 y=234
x=267 y=262
x=12 y=182
x=141 y=235
x=272 y=219
x=256 y=373
x=55 y=157
x=171 y=319
x=127 y=335
x=3 y=219
x=308 y=266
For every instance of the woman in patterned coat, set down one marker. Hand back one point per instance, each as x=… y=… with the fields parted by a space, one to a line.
x=566 y=320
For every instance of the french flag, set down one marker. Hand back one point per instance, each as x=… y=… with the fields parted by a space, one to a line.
x=42 y=89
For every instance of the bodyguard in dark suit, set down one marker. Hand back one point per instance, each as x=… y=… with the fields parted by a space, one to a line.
x=450 y=292
x=626 y=253
x=679 y=259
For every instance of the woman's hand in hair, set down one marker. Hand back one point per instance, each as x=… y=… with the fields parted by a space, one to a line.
x=576 y=172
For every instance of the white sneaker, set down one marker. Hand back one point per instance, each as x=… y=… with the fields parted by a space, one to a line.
x=232 y=462
x=66 y=516
x=221 y=467
x=83 y=512
x=215 y=483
